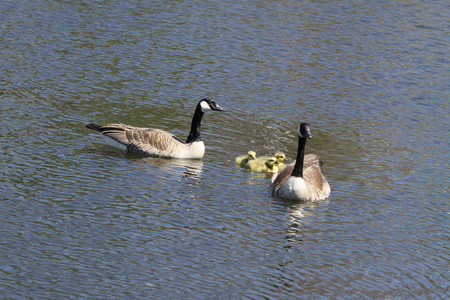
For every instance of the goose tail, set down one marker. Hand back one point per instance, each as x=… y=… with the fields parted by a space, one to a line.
x=94 y=126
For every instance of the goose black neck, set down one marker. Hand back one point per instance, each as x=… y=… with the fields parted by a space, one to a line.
x=194 y=134
x=298 y=168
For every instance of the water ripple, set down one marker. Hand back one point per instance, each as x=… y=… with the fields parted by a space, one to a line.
x=82 y=220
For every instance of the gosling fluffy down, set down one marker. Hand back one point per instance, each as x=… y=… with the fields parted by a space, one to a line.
x=281 y=158
x=242 y=160
x=263 y=164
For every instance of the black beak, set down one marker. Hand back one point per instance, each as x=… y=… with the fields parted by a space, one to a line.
x=217 y=107
x=308 y=133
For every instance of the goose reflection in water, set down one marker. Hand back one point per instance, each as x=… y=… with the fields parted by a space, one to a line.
x=184 y=167
x=299 y=214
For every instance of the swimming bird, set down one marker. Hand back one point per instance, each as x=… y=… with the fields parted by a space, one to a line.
x=261 y=164
x=155 y=142
x=303 y=179
x=242 y=160
x=280 y=156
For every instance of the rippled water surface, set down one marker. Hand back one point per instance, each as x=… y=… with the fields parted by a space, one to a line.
x=83 y=220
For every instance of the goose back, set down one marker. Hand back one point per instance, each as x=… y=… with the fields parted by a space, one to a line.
x=150 y=141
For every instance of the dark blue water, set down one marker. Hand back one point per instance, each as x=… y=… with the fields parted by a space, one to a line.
x=82 y=220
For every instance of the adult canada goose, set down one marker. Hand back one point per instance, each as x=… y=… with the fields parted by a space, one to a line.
x=303 y=179
x=261 y=164
x=155 y=142
x=242 y=160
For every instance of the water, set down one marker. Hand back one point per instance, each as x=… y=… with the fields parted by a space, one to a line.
x=82 y=220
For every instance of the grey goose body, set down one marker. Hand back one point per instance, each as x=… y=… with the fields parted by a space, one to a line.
x=156 y=142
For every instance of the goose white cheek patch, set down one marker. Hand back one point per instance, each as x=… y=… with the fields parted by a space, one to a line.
x=205 y=106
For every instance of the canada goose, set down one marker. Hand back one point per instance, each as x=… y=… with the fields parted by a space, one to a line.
x=262 y=164
x=303 y=179
x=243 y=159
x=155 y=142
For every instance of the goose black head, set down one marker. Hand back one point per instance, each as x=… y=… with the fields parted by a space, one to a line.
x=304 y=131
x=208 y=104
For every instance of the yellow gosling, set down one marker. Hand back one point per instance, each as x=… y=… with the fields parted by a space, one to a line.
x=261 y=164
x=242 y=160
x=281 y=158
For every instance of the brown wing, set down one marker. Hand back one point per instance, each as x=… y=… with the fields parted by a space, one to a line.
x=315 y=180
x=147 y=141
x=116 y=132
x=310 y=164
x=280 y=178
x=311 y=160
x=314 y=177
